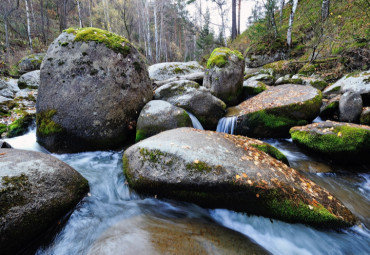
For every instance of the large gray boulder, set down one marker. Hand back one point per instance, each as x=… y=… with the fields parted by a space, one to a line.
x=350 y=107
x=158 y=116
x=194 y=98
x=30 y=63
x=217 y=170
x=181 y=236
x=36 y=190
x=168 y=70
x=273 y=112
x=5 y=91
x=29 y=80
x=224 y=75
x=260 y=60
x=93 y=86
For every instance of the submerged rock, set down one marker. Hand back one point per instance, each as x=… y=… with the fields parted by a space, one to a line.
x=93 y=86
x=224 y=75
x=342 y=141
x=158 y=116
x=194 y=98
x=156 y=236
x=30 y=63
x=168 y=70
x=29 y=80
x=218 y=170
x=36 y=190
x=273 y=112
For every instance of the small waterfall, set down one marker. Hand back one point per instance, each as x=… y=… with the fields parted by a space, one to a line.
x=227 y=125
x=195 y=121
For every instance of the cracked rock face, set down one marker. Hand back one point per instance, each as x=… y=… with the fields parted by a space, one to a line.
x=218 y=170
x=91 y=93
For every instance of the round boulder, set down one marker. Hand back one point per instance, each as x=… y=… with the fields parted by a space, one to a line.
x=273 y=112
x=168 y=70
x=224 y=75
x=194 y=98
x=158 y=116
x=30 y=63
x=93 y=86
x=341 y=141
x=29 y=80
x=350 y=107
x=217 y=170
x=36 y=190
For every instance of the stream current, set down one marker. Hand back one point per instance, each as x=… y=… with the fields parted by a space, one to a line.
x=111 y=201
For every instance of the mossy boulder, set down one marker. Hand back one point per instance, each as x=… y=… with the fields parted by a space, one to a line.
x=181 y=236
x=365 y=116
x=252 y=88
x=218 y=170
x=158 y=116
x=287 y=79
x=282 y=67
x=341 y=141
x=30 y=63
x=273 y=112
x=93 y=86
x=36 y=191
x=169 y=70
x=20 y=126
x=256 y=60
x=266 y=78
x=330 y=109
x=29 y=80
x=225 y=74
x=194 y=98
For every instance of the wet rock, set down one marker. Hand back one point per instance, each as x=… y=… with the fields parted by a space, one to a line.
x=340 y=141
x=29 y=80
x=172 y=236
x=158 y=116
x=330 y=109
x=350 y=107
x=365 y=116
x=36 y=190
x=30 y=63
x=217 y=170
x=93 y=86
x=5 y=145
x=194 y=98
x=168 y=70
x=273 y=112
x=224 y=75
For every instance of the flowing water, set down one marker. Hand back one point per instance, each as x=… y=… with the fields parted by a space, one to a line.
x=195 y=121
x=111 y=201
x=227 y=125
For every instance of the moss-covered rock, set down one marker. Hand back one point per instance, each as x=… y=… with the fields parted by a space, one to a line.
x=20 y=126
x=29 y=80
x=282 y=67
x=46 y=125
x=158 y=116
x=330 y=109
x=273 y=112
x=365 y=116
x=252 y=87
x=218 y=170
x=36 y=191
x=224 y=75
x=30 y=63
x=340 y=141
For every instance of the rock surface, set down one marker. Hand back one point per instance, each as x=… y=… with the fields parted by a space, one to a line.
x=158 y=236
x=224 y=75
x=330 y=109
x=30 y=63
x=194 y=98
x=93 y=86
x=350 y=107
x=218 y=170
x=253 y=87
x=196 y=77
x=260 y=60
x=273 y=112
x=29 y=80
x=168 y=70
x=341 y=141
x=158 y=116
x=365 y=116
x=36 y=190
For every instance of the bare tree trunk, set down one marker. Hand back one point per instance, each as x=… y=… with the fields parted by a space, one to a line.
x=291 y=20
x=273 y=22
x=79 y=12
x=33 y=16
x=90 y=13
x=156 y=32
x=148 y=31
x=240 y=5
x=65 y=22
x=161 y=32
x=42 y=21
x=233 y=26
x=325 y=9
x=282 y=4
x=106 y=15
x=28 y=26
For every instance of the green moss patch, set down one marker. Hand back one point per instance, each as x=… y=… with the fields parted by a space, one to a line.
x=199 y=166
x=140 y=135
x=45 y=124
x=153 y=156
x=272 y=151
x=113 y=41
x=219 y=57
x=20 y=126
x=319 y=84
x=3 y=128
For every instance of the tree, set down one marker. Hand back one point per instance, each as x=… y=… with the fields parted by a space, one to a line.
x=28 y=25
x=282 y=4
x=291 y=20
x=206 y=38
x=233 y=24
x=221 y=4
x=325 y=9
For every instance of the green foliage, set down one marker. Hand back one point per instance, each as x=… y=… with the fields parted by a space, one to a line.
x=45 y=124
x=219 y=57
x=3 y=128
x=199 y=166
x=113 y=41
x=272 y=151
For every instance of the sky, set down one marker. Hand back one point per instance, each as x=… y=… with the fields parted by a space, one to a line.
x=246 y=10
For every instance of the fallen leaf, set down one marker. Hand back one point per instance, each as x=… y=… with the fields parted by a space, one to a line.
x=196 y=161
x=237 y=177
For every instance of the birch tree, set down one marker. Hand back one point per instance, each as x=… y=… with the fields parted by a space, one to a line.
x=325 y=9
x=28 y=25
x=233 y=24
x=282 y=4
x=156 y=32
x=79 y=12
x=291 y=20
